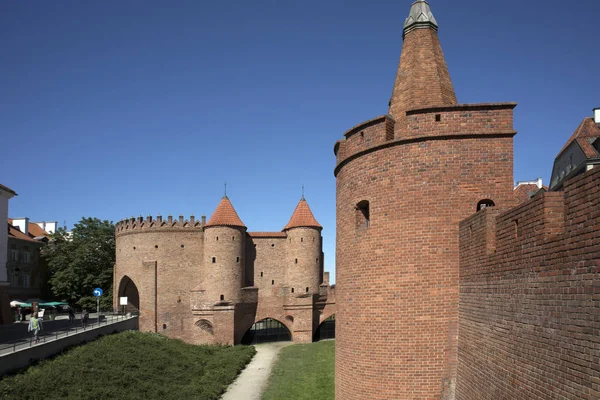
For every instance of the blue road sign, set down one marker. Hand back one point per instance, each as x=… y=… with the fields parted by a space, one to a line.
x=98 y=292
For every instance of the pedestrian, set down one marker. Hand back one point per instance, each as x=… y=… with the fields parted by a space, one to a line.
x=85 y=315
x=71 y=315
x=22 y=313
x=35 y=326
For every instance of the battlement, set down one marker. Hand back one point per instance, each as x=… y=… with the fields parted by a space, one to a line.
x=432 y=123
x=532 y=228
x=169 y=224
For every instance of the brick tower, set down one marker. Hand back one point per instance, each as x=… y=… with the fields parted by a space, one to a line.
x=224 y=249
x=403 y=182
x=304 y=273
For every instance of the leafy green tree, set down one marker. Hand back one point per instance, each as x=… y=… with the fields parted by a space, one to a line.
x=82 y=262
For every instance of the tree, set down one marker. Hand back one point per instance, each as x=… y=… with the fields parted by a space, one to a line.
x=82 y=262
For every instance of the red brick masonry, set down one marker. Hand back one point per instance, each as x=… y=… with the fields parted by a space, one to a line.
x=529 y=313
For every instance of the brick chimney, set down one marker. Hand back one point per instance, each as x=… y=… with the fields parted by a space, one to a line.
x=22 y=224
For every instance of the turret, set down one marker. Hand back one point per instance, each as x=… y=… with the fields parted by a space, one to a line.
x=422 y=79
x=304 y=251
x=224 y=249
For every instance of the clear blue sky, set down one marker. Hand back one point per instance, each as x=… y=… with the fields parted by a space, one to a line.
x=114 y=109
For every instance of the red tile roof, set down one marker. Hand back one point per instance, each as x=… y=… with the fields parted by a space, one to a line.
x=225 y=215
x=37 y=230
x=15 y=233
x=586 y=130
x=267 y=234
x=523 y=192
x=302 y=217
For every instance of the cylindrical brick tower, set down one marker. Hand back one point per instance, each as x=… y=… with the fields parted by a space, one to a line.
x=304 y=251
x=404 y=181
x=224 y=249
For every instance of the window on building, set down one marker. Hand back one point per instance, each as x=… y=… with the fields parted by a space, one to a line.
x=26 y=257
x=214 y=260
x=26 y=281
x=485 y=203
x=363 y=215
x=14 y=255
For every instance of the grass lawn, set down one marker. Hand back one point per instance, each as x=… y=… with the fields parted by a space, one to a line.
x=131 y=365
x=303 y=371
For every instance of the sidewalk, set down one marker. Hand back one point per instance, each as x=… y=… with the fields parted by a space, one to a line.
x=251 y=383
x=15 y=336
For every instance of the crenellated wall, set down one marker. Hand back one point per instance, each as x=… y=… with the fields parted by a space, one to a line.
x=152 y=252
x=530 y=298
x=181 y=268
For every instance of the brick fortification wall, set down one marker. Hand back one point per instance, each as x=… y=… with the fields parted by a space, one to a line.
x=530 y=298
x=208 y=283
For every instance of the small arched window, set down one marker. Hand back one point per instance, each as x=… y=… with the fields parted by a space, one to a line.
x=363 y=215
x=484 y=204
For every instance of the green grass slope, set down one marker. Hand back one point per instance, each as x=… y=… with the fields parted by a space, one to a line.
x=131 y=365
x=303 y=372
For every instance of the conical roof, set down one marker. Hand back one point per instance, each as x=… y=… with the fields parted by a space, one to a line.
x=422 y=78
x=225 y=215
x=302 y=217
x=420 y=16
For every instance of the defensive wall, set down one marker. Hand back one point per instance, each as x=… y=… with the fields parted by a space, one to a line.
x=529 y=307
x=210 y=282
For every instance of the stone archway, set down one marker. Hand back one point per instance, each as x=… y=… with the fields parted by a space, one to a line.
x=127 y=288
x=326 y=329
x=267 y=330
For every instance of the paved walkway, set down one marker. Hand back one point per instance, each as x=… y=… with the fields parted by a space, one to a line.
x=15 y=336
x=250 y=384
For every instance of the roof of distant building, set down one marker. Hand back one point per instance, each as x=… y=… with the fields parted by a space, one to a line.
x=585 y=134
x=7 y=189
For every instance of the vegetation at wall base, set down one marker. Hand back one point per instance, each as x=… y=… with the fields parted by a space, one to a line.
x=303 y=372
x=131 y=365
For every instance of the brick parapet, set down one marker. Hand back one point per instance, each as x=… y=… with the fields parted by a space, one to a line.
x=529 y=311
x=426 y=124
x=140 y=224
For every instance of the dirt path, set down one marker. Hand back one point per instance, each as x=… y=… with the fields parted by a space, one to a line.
x=250 y=384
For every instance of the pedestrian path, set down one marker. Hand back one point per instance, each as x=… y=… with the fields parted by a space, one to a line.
x=14 y=337
x=251 y=383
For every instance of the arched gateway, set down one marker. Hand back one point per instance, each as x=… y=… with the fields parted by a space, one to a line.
x=267 y=330
x=128 y=289
x=326 y=330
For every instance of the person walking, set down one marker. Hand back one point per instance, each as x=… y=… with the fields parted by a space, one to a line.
x=85 y=315
x=71 y=315
x=35 y=326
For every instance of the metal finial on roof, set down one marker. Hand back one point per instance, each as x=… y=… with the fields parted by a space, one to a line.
x=225 y=193
x=302 y=192
x=420 y=16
